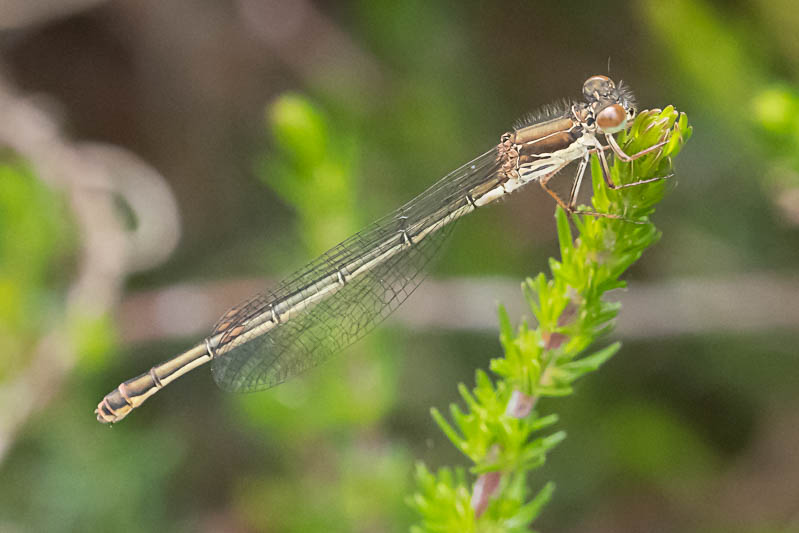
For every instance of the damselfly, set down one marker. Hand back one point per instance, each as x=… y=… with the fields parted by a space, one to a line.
x=336 y=299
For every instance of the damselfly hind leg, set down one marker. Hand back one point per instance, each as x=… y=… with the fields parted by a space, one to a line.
x=571 y=207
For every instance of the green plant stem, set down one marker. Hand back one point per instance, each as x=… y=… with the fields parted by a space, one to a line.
x=500 y=430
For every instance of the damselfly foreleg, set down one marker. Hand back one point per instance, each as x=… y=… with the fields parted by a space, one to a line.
x=617 y=150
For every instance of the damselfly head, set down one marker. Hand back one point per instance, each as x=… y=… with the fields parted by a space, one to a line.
x=612 y=118
x=613 y=106
x=625 y=96
x=598 y=88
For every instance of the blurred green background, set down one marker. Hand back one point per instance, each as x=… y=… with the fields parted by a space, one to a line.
x=160 y=161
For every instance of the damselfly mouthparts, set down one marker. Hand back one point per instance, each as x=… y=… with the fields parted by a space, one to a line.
x=337 y=298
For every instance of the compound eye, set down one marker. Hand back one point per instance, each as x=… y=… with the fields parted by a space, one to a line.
x=612 y=118
x=597 y=87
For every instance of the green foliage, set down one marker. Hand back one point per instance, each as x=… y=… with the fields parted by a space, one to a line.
x=646 y=441
x=709 y=46
x=707 y=43
x=356 y=491
x=776 y=116
x=545 y=361
x=314 y=171
x=81 y=479
x=94 y=339
x=34 y=237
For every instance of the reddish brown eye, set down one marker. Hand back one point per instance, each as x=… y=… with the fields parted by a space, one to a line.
x=612 y=119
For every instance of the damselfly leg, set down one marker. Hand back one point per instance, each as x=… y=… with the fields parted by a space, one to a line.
x=618 y=152
x=571 y=206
